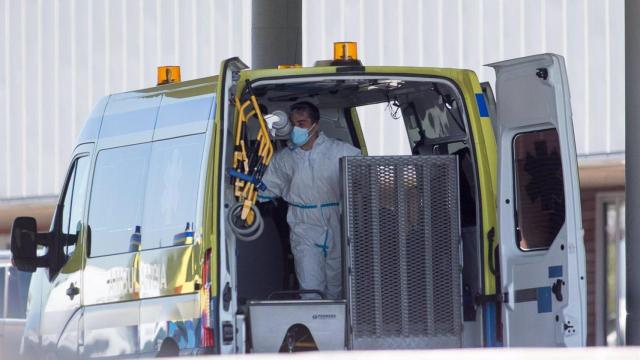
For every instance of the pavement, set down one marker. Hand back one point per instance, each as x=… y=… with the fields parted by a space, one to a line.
x=587 y=353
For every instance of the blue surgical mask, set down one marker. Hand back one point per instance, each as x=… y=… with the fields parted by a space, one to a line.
x=300 y=136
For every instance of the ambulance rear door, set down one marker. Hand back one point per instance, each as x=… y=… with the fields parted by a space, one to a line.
x=542 y=257
x=226 y=287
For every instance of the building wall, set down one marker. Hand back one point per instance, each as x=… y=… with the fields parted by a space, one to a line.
x=470 y=33
x=57 y=58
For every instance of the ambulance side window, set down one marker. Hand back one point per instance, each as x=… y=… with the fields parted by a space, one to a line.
x=115 y=209
x=172 y=192
x=539 y=189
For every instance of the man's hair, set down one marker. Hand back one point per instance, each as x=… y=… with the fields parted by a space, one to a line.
x=309 y=108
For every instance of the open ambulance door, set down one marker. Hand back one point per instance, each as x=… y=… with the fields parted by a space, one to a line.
x=226 y=287
x=490 y=100
x=541 y=238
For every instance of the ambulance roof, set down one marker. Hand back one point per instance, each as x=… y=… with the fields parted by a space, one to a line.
x=151 y=114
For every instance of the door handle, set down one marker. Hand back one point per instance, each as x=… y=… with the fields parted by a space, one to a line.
x=556 y=289
x=72 y=291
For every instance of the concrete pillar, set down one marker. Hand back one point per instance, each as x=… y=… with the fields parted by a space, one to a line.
x=632 y=159
x=276 y=36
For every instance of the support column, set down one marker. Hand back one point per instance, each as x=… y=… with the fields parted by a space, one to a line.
x=632 y=159
x=276 y=36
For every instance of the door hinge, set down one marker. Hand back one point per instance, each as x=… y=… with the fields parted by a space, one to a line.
x=226 y=297
x=491 y=235
x=227 y=332
x=542 y=73
x=568 y=329
x=481 y=299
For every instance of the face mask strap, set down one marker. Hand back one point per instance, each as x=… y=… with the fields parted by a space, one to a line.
x=311 y=128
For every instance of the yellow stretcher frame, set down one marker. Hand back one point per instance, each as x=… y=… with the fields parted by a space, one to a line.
x=245 y=191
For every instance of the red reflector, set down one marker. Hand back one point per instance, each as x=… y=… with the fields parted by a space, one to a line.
x=208 y=340
x=206 y=326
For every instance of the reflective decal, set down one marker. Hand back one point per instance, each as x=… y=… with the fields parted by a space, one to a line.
x=489 y=325
x=183 y=238
x=482 y=105
x=541 y=295
x=153 y=278
x=555 y=271
x=544 y=300
x=119 y=281
x=183 y=332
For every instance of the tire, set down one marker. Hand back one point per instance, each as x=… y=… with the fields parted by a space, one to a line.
x=169 y=348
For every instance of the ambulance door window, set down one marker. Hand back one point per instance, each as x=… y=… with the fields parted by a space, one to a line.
x=116 y=199
x=539 y=189
x=172 y=191
x=73 y=205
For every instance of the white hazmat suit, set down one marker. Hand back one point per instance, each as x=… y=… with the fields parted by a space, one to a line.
x=309 y=181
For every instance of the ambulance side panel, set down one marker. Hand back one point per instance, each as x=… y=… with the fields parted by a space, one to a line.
x=172 y=251
x=112 y=311
x=143 y=265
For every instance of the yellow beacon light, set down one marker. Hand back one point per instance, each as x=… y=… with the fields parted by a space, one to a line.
x=168 y=74
x=345 y=53
x=289 y=66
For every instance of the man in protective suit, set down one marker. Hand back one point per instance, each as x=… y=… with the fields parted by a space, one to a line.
x=306 y=175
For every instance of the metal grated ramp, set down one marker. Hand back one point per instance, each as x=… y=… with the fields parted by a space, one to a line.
x=403 y=278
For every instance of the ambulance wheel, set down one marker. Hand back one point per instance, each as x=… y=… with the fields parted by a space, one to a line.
x=239 y=227
x=169 y=348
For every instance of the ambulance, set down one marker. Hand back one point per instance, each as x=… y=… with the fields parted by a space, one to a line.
x=469 y=237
